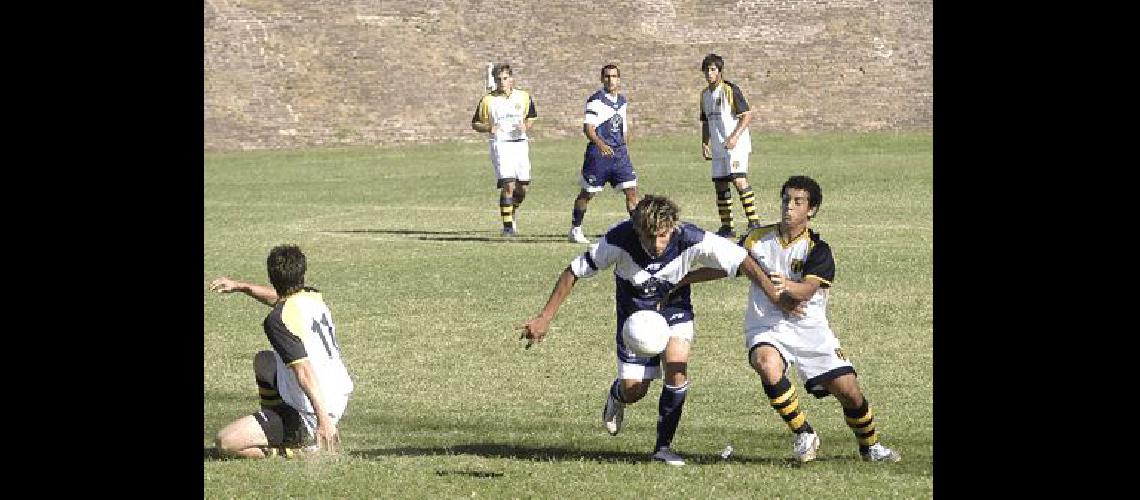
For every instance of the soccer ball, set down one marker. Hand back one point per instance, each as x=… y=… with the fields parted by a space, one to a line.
x=645 y=333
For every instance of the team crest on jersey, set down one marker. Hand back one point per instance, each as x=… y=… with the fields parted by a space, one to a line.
x=797 y=265
x=649 y=288
x=717 y=102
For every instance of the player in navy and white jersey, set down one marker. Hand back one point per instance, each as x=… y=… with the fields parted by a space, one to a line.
x=506 y=114
x=802 y=266
x=606 y=126
x=303 y=383
x=649 y=254
x=725 y=139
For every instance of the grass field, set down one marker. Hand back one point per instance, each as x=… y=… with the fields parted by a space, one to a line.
x=404 y=243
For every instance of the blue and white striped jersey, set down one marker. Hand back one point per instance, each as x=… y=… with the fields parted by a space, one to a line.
x=641 y=281
x=607 y=116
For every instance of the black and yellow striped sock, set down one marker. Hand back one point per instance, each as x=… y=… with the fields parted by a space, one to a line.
x=724 y=206
x=267 y=394
x=507 y=210
x=748 y=202
x=861 y=420
x=787 y=403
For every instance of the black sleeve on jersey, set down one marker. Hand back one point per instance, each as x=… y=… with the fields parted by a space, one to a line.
x=820 y=261
x=739 y=104
x=475 y=117
x=531 y=113
x=289 y=346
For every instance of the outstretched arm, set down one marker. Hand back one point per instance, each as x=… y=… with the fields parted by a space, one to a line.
x=535 y=329
x=264 y=294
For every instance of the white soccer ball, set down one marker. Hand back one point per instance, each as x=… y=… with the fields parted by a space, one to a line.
x=645 y=333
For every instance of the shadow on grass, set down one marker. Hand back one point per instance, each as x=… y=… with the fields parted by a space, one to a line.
x=494 y=450
x=487 y=236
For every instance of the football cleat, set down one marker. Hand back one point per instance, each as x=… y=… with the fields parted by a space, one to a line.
x=668 y=456
x=879 y=453
x=804 y=446
x=613 y=414
x=726 y=232
x=510 y=231
x=576 y=235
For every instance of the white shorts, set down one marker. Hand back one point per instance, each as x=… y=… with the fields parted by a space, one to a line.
x=650 y=368
x=511 y=160
x=814 y=350
x=734 y=163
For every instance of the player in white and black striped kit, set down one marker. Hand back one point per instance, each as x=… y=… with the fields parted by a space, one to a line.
x=650 y=253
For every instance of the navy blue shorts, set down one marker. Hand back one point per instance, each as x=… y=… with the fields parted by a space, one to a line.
x=597 y=170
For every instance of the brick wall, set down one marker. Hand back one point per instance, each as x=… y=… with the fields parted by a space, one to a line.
x=298 y=73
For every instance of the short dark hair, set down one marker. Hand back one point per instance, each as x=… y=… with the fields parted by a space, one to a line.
x=286 y=266
x=655 y=213
x=499 y=68
x=713 y=59
x=815 y=193
x=610 y=66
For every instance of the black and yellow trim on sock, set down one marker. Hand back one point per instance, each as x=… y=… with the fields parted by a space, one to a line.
x=507 y=211
x=786 y=402
x=268 y=395
x=748 y=203
x=724 y=207
x=861 y=420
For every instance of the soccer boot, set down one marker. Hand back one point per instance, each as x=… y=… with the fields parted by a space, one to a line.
x=804 y=446
x=668 y=456
x=576 y=235
x=510 y=231
x=879 y=453
x=726 y=232
x=613 y=414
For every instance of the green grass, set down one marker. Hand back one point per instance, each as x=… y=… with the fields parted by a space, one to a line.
x=404 y=243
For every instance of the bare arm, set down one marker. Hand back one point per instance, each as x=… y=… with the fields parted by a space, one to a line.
x=798 y=290
x=327 y=436
x=705 y=150
x=528 y=124
x=695 y=276
x=741 y=126
x=264 y=294
x=535 y=329
x=592 y=135
x=486 y=128
x=774 y=291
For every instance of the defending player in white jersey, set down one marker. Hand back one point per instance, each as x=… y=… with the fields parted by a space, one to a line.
x=303 y=383
x=606 y=126
x=726 y=141
x=506 y=114
x=802 y=267
x=650 y=253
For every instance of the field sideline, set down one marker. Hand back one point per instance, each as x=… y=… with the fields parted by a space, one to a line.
x=404 y=244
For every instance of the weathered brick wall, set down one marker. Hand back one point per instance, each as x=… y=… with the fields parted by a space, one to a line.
x=297 y=73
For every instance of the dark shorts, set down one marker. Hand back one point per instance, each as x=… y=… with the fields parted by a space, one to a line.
x=598 y=169
x=282 y=426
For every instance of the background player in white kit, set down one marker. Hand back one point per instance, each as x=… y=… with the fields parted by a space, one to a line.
x=303 y=384
x=506 y=114
x=725 y=139
x=801 y=265
x=650 y=253
x=606 y=158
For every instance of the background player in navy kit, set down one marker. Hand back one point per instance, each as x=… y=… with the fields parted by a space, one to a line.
x=506 y=114
x=650 y=253
x=303 y=383
x=802 y=267
x=606 y=157
x=725 y=139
